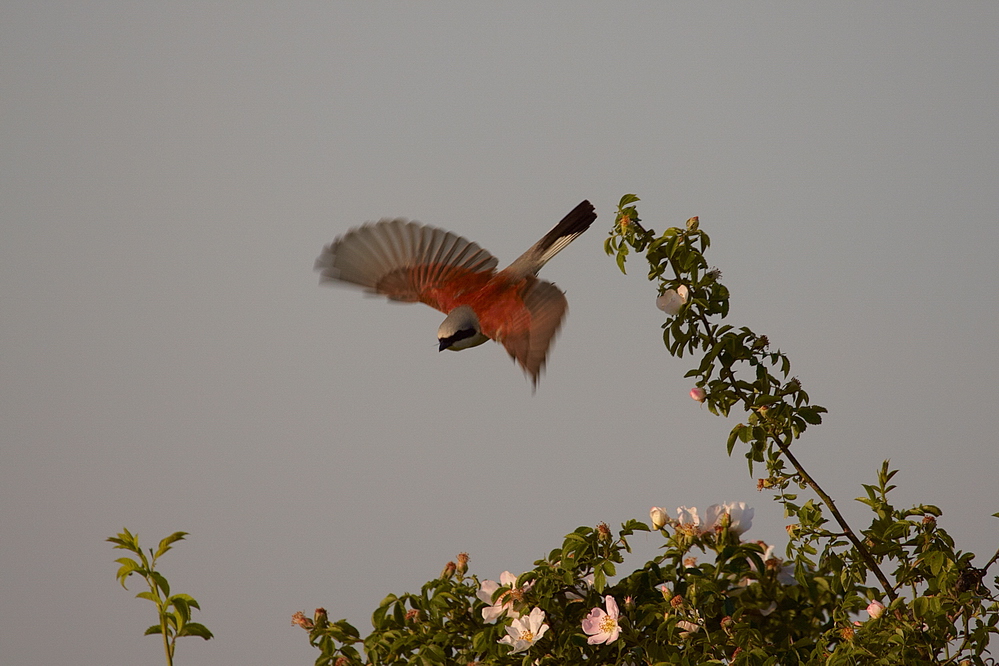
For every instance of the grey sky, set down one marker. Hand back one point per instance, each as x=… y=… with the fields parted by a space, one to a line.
x=169 y=171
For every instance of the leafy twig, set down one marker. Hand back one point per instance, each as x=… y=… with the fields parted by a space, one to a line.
x=174 y=610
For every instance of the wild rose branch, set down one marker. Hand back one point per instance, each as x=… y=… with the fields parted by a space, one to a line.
x=690 y=293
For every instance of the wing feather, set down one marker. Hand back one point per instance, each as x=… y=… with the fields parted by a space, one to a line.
x=546 y=305
x=405 y=261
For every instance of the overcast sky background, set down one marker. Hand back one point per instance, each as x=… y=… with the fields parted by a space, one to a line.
x=169 y=172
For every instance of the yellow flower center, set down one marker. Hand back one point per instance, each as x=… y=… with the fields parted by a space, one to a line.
x=608 y=624
x=527 y=635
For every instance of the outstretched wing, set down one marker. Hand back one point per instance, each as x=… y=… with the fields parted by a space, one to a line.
x=528 y=345
x=406 y=261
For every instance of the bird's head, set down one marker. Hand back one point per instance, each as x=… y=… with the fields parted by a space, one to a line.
x=460 y=330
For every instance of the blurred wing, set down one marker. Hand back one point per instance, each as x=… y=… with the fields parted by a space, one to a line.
x=405 y=261
x=546 y=305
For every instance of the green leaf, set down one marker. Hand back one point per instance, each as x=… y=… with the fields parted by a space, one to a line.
x=378 y=617
x=811 y=415
x=195 y=629
x=621 y=256
x=161 y=582
x=171 y=621
x=930 y=509
x=187 y=598
x=924 y=606
x=165 y=543
x=125 y=540
x=574 y=538
x=609 y=246
x=128 y=567
x=935 y=561
x=733 y=437
x=183 y=609
x=599 y=580
x=155 y=629
x=633 y=525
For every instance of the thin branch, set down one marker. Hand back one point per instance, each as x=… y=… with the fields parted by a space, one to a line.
x=848 y=531
x=991 y=562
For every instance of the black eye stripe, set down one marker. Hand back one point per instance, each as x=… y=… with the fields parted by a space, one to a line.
x=460 y=335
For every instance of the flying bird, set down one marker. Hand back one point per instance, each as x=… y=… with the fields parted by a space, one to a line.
x=409 y=262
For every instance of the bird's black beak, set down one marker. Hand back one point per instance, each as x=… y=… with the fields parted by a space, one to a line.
x=445 y=343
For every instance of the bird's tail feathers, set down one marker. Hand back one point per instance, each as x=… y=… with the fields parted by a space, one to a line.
x=572 y=225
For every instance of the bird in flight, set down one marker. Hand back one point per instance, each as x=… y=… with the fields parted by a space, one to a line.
x=410 y=262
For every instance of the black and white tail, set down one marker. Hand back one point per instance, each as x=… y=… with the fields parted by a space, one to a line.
x=572 y=225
